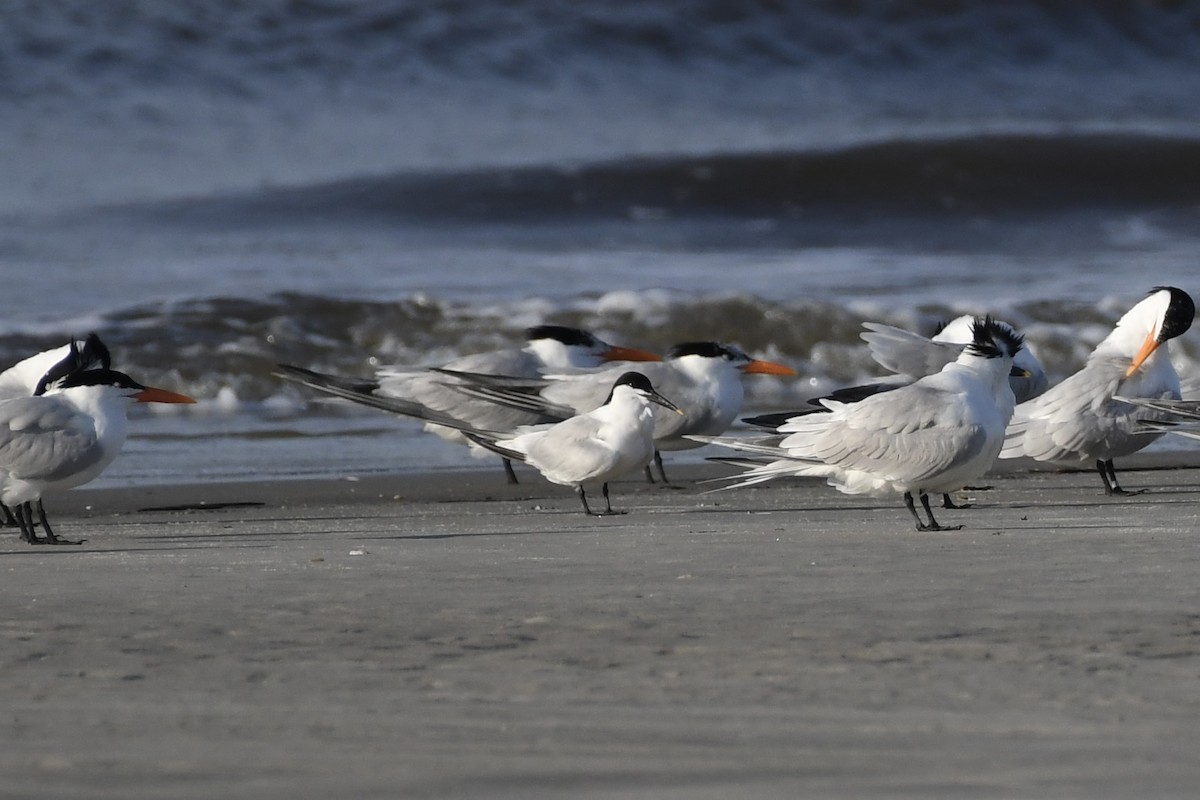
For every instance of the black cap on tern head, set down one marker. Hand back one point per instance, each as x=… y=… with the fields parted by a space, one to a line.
x=708 y=350
x=572 y=337
x=640 y=383
x=98 y=377
x=119 y=380
x=1181 y=310
x=635 y=380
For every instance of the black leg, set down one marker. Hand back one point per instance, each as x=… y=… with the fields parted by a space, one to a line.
x=933 y=523
x=50 y=537
x=608 y=509
x=7 y=520
x=662 y=471
x=921 y=525
x=1108 y=474
x=948 y=502
x=1100 y=467
x=509 y=473
x=583 y=499
x=912 y=509
x=649 y=474
x=24 y=515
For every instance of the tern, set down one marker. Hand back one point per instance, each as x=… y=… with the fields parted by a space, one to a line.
x=29 y=377
x=423 y=389
x=703 y=378
x=933 y=435
x=591 y=448
x=910 y=355
x=64 y=438
x=1081 y=421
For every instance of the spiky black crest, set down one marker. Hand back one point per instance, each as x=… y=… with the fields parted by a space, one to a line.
x=707 y=350
x=993 y=339
x=93 y=353
x=1180 y=313
x=98 y=377
x=572 y=337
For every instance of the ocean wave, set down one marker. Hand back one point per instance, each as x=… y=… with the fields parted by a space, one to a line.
x=225 y=349
x=238 y=48
x=108 y=102
x=938 y=178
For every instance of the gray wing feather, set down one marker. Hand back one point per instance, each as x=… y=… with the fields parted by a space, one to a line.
x=568 y=451
x=41 y=439
x=1072 y=418
x=908 y=353
x=906 y=435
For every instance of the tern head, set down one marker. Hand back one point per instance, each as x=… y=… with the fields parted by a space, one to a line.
x=562 y=346
x=1166 y=313
x=991 y=338
x=1028 y=371
x=121 y=384
x=718 y=352
x=92 y=353
x=640 y=385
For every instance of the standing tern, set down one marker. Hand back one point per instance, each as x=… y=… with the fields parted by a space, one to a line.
x=547 y=347
x=591 y=448
x=30 y=375
x=703 y=378
x=64 y=438
x=933 y=435
x=1081 y=421
x=586 y=449
x=910 y=356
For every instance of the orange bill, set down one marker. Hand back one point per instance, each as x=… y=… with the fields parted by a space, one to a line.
x=767 y=368
x=151 y=394
x=628 y=354
x=1149 y=346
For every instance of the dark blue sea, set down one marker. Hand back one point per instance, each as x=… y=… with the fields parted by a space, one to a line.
x=216 y=186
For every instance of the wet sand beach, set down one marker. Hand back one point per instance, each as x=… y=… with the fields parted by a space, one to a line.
x=446 y=635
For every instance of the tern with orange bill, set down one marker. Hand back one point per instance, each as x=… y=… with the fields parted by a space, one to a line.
x=1084 y=419
x=412 y=391
x=64 y=437
x=703 y=378
x=27 y=376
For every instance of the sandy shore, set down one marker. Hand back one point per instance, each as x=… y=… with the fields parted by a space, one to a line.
x=450 y=636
